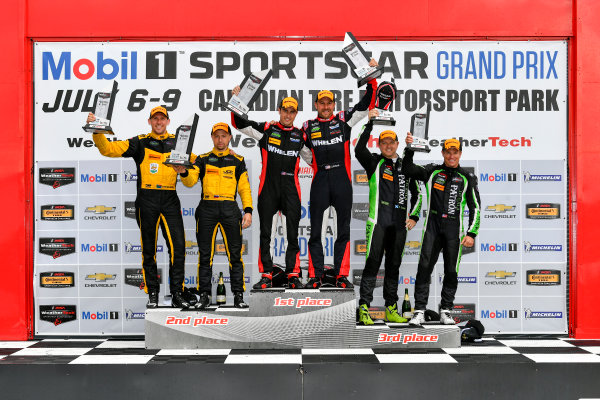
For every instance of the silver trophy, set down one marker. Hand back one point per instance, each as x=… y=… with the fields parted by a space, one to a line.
x=184 y=141
x=250 y=89
x=103 y=108
x=384 y=103
x=419 y=127
x=358 y=60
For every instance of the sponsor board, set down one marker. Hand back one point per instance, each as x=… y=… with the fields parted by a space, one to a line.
x=529 y=314
x=528 y=247
x=542 y=210
x=463 y=312
x=98 y=213
x=57 y=279
x=360 y=211
x=58 y=314
x=360 y=177
x=57 y=212
x=99 y=315
x=501 y=211
x=529 y=177
x=56 y=177
x=129 y=209
x=57 y=247
x=498 y=314
x=100 y=280
x=543 y=277
x=135 y=277
x=131 y=315
x=495 y=177
x=500 y=278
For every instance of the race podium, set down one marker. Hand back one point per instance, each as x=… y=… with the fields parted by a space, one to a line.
x=288 y=319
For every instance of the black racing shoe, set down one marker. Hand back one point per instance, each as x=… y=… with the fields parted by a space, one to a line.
x=294 y=282
x=265 y=282
x=190 y=296
x=238 y=300
x=344 y=283
x=204 y=301
x=152 y=300
x=178 y=301
x=313 y=283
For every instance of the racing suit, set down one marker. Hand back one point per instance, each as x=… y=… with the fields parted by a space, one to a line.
x=448 y=191
x=329 y=141
x=388 y=211
x=221 y=174
x=156 y=203
x=279 y=189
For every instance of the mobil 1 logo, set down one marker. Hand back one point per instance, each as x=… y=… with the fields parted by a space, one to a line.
x=161 y=65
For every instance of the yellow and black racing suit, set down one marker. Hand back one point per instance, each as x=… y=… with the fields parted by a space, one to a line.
x=156 y=202
x=221 y=174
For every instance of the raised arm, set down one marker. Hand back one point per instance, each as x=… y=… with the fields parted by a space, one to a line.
x=362 y=153
x=409 y=168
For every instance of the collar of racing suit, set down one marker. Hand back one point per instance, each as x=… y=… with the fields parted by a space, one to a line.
x=220 y=153
x=326 y=119
x=285 y=128
x=159 y=137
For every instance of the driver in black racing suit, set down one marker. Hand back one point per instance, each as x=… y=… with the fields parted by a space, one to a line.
x=328 y=137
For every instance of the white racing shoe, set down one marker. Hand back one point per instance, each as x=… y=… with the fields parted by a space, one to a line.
x=446 y=318
x=418 y=318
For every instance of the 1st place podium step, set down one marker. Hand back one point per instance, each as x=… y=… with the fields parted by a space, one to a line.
x=287 y=319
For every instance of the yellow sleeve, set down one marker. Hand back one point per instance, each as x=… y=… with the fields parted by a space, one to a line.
x=108 y=148
x=244 y=191
x=191 y=178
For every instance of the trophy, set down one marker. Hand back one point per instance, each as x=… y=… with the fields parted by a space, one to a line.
x=385 y=95
x=358 y=60
x=184 y=140
x=103 y=108
x=419 y=127
x=250 y=88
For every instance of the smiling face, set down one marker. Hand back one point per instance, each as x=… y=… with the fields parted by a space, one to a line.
x=221 y=139
x=287 y=115
x=159 y=123
x=325 y=107
x=451 y=157
x=388 y=147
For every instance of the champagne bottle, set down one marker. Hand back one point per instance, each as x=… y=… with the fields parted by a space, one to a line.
x=406 y=307
x=221 y=295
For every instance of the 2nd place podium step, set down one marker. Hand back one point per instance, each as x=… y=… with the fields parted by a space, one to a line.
x=283 y=319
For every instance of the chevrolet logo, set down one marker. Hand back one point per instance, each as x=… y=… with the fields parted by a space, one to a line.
x=500 y=208
x=101 y=277
x=413 y=244
x=100 y=209
x=500 y=274
x=189 y=244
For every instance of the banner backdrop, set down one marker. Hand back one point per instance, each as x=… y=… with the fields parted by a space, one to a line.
x=505 y=101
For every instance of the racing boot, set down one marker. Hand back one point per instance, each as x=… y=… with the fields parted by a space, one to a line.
x=343 y=282
x=363 y=315
x=204 y=301
x=418 y=318
x=178 y=301
x=294 y=282
x=313 y=283
x=391 y=314
x=238 y=300
x=446 y=318
x=266 y=281
x=152 y=300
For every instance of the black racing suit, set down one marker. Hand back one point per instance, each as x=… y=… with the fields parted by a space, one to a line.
x=329 y=141
x=156 y=203
x=221 y=174
x=279 y=189
x=388 y=211
x=448 y=191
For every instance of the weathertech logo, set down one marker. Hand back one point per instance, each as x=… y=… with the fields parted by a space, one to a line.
x=528 y=177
